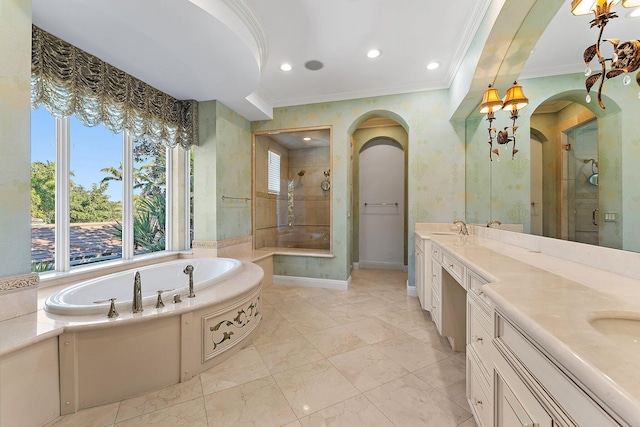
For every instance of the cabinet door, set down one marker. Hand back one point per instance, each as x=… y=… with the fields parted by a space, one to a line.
x=420 y=272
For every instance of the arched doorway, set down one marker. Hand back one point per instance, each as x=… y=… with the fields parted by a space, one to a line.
x=381 y=181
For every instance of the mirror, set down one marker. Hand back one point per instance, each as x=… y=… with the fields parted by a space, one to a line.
x=292 y=190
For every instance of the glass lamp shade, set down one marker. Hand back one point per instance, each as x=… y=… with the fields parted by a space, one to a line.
x=631 y=3
x=515 y=99
x=587 y=7
x=490 y=101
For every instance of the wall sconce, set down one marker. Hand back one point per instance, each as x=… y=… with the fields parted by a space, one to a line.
x=626 y=55
x=491 y=102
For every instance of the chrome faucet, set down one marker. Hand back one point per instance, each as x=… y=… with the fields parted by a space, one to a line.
x=189 y=270
x=136 y=303
x=490 y=223
x=463 y=227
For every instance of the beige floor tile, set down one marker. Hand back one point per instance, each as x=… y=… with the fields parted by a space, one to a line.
x=408 y=401
x=327 y=301
x=471 y=422
x=373 y=330
x=410 y=353
x=276 y=294
x=296 y=423
x=100 y=416
x=293 y=306
x=373 y=306
x=430 y=336
x=367 y=368
x=304 y=292
x=406 y=319
x=313 y=387
x=443 y=373
x=243 y=367
x=345 y=313
x=287 y=354
x=274 y=329
x=310 y=320
x=354 y=412
x=169 y=396
x=191 y=413
x=334 y=341
x=257 y=403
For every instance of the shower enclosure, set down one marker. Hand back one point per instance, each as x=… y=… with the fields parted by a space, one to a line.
x=292 y=189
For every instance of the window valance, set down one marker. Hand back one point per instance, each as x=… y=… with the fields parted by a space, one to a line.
x=68 y=80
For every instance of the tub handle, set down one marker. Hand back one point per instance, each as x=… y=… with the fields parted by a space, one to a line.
x=159 y=303
x=112 y=307
x=176 y=298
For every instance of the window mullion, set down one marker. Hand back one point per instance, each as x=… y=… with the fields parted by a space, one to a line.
x=168 y=223
x=127 y=196
x=62 y=197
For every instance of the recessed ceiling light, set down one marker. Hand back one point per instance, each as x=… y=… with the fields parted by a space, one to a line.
x=306 y=138
x=373 y=53
x=286 y=67
x=433 y=65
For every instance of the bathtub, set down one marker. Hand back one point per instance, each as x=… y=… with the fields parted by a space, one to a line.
x=78 y=300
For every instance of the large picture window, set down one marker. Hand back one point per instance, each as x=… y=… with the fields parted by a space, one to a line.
x=95 y=195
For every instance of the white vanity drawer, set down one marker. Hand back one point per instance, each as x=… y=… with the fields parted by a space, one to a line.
x=475 y=283
x=436 y=253
x=436 y=284
x=454 y=267
x=478 y=393
x=479 y=333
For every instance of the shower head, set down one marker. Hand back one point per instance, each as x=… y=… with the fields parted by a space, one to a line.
x=301 y=173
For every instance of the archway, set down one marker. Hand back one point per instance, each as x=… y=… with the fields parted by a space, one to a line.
x=367 y=129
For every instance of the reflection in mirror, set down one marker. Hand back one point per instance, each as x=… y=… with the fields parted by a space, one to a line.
x=292 y=189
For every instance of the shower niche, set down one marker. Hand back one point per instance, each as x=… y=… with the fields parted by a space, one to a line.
x=292 y=190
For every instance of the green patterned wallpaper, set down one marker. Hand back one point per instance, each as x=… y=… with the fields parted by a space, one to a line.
x=15 y=111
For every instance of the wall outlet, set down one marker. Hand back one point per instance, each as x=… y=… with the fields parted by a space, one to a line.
x=610 y=216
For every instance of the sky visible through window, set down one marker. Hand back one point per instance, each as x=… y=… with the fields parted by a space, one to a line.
x=97 y=148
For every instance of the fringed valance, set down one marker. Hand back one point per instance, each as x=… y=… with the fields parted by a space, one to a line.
x=68 y=80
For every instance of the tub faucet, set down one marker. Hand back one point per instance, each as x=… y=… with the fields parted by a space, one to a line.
x=189 y=270
x=490 y=223
x=136 y=303
x=463 y=227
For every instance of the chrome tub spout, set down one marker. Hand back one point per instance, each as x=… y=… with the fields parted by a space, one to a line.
x=189 y=271
x=136 y=304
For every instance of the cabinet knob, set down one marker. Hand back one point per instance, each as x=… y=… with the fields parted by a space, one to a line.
x=476 y=339
x=451 y=266
x=478 y=292
x=477 y=402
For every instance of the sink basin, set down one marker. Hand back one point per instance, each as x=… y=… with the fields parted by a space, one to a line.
x=444 y=233
x=622 y=327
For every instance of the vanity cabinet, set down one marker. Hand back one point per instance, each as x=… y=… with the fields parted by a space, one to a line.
x=548 y=395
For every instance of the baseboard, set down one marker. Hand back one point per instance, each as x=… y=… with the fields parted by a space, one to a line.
x=382 y=265
x=356 y=266
x=310 y=282
x=411 y=290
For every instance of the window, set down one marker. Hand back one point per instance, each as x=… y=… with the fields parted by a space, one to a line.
x=273 y=185
x=95 y=195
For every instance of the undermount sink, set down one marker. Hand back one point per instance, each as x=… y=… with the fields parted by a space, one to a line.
x=443 y=233
x=622 y=327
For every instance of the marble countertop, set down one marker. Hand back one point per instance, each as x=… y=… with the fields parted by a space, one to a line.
x=29 y=329
x=552 y=299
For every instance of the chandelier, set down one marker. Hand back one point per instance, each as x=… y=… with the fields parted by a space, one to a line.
x=626 y=55
x=491 y=102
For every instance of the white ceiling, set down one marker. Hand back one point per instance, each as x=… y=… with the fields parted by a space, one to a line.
x=231 y=50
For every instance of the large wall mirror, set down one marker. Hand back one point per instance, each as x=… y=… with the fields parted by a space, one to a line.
x=292 y=190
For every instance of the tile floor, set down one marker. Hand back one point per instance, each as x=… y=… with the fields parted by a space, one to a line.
x=364 y=357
